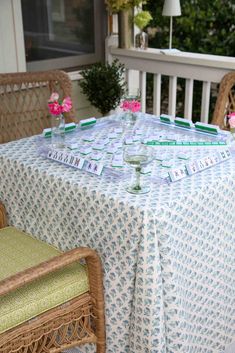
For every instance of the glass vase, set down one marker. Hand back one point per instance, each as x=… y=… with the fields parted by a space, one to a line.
x=141 y=40
x=129 y=120
x=129 y=104
x=57 y=131
x=232 y=130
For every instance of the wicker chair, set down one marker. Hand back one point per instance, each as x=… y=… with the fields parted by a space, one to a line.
x=225 y=103
x=78 y=321
x=23 y=102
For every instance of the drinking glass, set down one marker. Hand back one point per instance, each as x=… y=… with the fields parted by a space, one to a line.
x=138 y=156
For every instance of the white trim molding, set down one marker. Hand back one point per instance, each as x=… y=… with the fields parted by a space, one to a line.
x=12 y=57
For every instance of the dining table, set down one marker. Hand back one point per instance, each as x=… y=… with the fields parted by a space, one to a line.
x=168 y=256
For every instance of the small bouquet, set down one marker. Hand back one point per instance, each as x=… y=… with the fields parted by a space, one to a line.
x=231 y=120
x=57 y=106
x=132 y=106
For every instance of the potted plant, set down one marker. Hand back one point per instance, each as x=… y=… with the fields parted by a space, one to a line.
x=114 y=6
x=103 y=85
x=125 y=11
x=141 y=20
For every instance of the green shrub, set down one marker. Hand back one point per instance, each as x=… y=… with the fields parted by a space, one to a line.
x=103 y=85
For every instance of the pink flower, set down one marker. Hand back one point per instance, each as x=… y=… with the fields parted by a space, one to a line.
x=57 y=107
x=66 y=105
x=133 y=106
x=231 y=120
x=54 y=97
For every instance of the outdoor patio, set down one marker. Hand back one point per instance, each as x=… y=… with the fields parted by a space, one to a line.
x=153 y=197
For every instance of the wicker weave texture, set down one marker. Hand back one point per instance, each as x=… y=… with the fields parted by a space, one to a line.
x=74 y=323
x=225 y=103
x=53 y=331
x=24 y=97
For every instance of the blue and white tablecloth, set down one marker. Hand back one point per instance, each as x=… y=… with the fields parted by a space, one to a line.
x=168 y=256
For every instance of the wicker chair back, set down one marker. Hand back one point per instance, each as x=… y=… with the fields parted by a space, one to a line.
x=23 y=102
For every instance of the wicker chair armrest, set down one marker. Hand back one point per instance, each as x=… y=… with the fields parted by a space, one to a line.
x=3 y=217
x=225 y=95
x=21 y=278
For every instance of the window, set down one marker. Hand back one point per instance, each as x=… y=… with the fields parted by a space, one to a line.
x=63 y=33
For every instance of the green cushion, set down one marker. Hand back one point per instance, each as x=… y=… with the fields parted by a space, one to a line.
x=20 y=251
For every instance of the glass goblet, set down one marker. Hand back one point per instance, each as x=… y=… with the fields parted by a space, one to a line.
x=138 y=156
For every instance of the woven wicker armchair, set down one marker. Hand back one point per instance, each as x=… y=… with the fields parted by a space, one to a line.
x=76 y=322
x=225 y=103
x=23 y=102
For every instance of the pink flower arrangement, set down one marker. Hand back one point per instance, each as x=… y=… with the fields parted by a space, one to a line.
x=57 y=106
x=133 y=106
x=231 y=120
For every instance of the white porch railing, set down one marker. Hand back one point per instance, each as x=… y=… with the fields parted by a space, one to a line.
x=190 y=66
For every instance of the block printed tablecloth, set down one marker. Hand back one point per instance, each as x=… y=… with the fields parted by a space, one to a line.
x=168 y=256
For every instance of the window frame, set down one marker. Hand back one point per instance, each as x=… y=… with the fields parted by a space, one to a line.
x=76 y=61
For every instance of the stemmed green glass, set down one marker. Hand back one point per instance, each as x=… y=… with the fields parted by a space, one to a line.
x=138 y=156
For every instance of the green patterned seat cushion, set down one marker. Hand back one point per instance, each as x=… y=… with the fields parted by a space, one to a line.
x=19 y=251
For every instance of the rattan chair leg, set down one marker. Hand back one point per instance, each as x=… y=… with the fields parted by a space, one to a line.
x=3 y=218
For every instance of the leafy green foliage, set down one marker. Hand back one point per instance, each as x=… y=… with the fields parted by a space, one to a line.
x=142 y=18
x=103 y=85
x=119 y=5
x=205 y=27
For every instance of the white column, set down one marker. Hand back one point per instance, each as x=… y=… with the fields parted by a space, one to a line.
x=188 y=101
x=172 y=95
x=12 y=58
x=110 y=41
x=143 y=90
x=206 y=89
x=157 y=94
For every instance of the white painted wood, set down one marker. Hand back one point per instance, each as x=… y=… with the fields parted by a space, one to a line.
x=75 y=75
x=200 y=67
x=190 y=66
x=126 y=77
x=172 y=95
x=115 y=23
x=188 y=102
x=133 y=81
x=7 y=42
x=76 y=60
x=143 y=90
x=110 y=41
x=206 y=88
x=10 y=37
x=19 y=35
x=217 y=61
x=157 y=94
